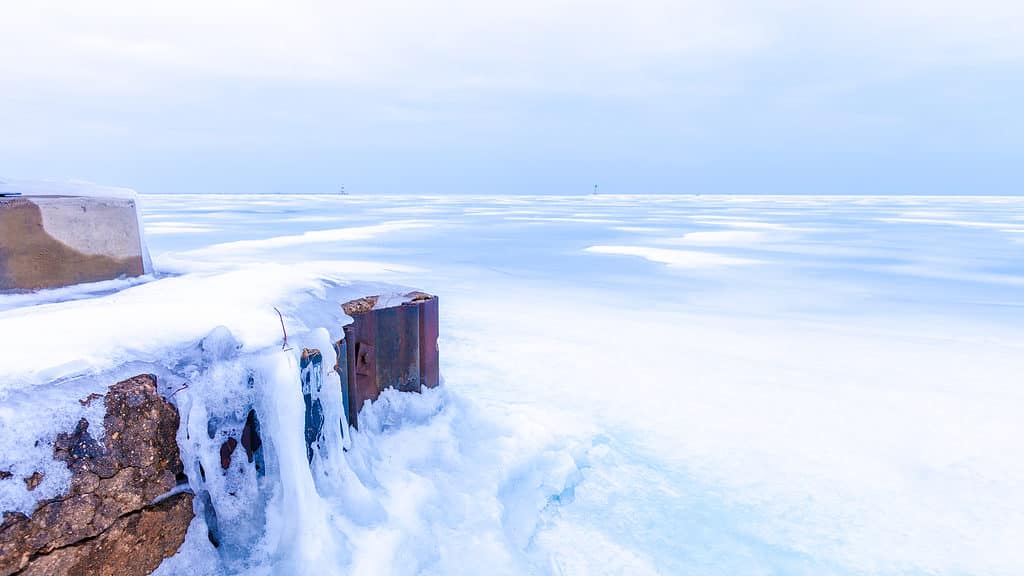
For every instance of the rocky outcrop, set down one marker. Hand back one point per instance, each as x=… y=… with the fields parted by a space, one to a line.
x=129 y=503
x=122 y=514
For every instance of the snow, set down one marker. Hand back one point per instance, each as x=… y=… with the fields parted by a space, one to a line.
x=841 y=399
x=726 y=237
x=64 y=188
x=671 y=257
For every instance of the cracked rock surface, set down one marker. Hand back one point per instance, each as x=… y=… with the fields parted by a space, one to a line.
x=112 y=520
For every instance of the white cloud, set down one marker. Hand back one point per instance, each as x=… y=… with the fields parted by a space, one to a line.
x=557 y=45
x=938 y=31
x=388 y=43
x=649 y=83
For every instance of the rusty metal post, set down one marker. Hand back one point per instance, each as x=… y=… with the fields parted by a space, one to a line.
x=430 y=375
x=349 y=382
x=311 y=374
x=364 y=352
x=393 y=347
x=341 y=368
x=398 y=348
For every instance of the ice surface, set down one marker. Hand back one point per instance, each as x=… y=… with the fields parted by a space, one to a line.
x=677 y=258
x=848 y=404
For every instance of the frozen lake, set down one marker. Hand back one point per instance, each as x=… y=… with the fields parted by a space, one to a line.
x=736 y=385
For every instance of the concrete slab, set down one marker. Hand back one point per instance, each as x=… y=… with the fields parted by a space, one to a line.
x=53 y=241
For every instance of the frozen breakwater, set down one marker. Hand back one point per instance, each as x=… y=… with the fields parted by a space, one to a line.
x=633 y=384
x=111 y=480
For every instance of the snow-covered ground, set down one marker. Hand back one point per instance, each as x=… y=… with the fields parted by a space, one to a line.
x=634 y=384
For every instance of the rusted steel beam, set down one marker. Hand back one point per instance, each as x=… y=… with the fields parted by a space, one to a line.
x=348 y=383
x=364 y=353
x=311 y=372
x=430 y=375
x=341 y=369
x=398 y=348
x=393 y=347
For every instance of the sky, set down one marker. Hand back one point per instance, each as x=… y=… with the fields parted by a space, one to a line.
x=532 y=96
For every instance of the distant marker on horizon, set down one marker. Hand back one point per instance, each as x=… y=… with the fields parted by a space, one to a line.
x=595 y=189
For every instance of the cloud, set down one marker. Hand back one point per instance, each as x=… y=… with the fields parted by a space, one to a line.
x=556 y=45
x=643 y=96
x=386 y=43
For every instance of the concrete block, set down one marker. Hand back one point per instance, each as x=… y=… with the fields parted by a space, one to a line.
x=54 y=241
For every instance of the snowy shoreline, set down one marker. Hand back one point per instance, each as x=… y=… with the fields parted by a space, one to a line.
x=843 y=406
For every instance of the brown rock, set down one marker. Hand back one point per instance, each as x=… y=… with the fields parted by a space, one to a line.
x=360 y=305
x=226 y=450
x=109 y=521
x=134 y=544
x=32 y=482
